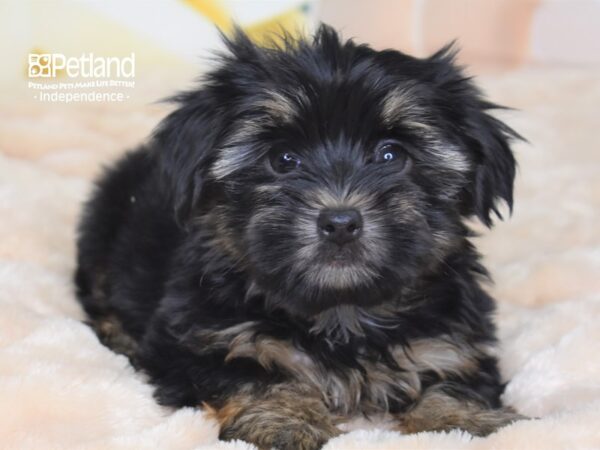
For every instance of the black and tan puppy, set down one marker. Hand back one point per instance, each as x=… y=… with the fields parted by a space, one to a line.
x=289 y=251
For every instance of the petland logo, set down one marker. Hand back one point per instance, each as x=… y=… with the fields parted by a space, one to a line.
x=48 y=65
x=56 y=78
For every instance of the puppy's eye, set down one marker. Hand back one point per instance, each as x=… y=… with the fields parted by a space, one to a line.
x=284 y=162
x=390 y=152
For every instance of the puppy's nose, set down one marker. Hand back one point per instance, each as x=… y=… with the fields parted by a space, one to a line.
x=339 y=226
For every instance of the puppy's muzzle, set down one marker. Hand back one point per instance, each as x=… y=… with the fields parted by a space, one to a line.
x=339 y=226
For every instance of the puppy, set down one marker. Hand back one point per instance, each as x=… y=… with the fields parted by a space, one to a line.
x=289 y=249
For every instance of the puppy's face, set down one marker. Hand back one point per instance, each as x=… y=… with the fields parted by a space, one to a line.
x=332 y=173
x=338 y=192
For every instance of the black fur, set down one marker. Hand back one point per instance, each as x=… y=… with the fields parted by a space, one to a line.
x=193 y=239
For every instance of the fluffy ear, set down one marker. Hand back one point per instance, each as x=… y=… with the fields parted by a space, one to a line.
x=187 y=139
x=493 y=174
x=184 y=142
x=486 y=139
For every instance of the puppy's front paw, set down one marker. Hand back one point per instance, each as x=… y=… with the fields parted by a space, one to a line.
x=481 y=423
x=282 y=435
x=488 y=422
x=282 y=418
x=438 y=410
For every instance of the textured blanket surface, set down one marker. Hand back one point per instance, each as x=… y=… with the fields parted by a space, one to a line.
x=60 y=388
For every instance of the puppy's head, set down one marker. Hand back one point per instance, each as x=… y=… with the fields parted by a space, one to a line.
x=332 y=173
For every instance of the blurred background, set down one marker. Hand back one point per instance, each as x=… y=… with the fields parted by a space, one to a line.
x=174 y=40
x=541 y=57
x=495 y=35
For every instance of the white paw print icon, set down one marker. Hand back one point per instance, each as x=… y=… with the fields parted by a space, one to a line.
x=39 y=65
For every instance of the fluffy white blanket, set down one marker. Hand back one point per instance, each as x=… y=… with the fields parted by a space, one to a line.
x=59 y=388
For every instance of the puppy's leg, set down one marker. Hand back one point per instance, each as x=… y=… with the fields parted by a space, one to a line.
x=285 y=416
x=440 y=410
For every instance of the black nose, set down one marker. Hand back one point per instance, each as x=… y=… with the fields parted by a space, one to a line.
x=339 y=226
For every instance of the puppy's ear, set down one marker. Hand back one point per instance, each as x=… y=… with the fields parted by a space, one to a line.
x=494 y=165
x=187 y=139
x=184 y=143
x=486 y=139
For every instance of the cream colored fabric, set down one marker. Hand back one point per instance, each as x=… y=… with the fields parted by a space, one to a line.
x=59 y=388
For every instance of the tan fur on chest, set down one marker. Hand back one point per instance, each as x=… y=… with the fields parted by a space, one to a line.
x=350 y=390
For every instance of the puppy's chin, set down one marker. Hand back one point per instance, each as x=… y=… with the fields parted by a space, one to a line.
x=327 y=285
x=326 y=265
x=340 y=274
